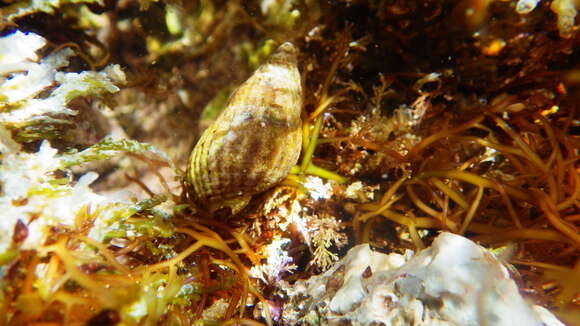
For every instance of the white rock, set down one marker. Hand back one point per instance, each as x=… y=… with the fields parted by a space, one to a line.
x=453 y=282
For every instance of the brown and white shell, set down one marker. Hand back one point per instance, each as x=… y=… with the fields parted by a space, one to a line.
x=255 y=141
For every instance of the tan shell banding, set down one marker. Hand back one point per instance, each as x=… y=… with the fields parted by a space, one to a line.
x=255 y=141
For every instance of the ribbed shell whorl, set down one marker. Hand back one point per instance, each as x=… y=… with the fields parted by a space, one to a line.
x=257 y=138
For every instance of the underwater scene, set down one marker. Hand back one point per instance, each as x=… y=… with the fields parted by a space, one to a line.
x=289 y=162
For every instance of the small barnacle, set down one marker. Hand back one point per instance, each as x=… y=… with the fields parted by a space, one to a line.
x=254 y=142
x=524 y=7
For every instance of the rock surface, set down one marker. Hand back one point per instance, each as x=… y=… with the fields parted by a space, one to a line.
x=453 y=282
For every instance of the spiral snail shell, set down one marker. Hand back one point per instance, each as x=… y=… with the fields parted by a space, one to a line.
x=256 y=139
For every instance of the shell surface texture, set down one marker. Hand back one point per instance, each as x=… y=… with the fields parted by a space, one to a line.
x=255 y=140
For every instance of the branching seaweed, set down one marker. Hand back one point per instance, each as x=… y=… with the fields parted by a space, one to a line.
x=478 y=137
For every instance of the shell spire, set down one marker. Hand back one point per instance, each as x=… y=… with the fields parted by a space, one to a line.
x=256 y=139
